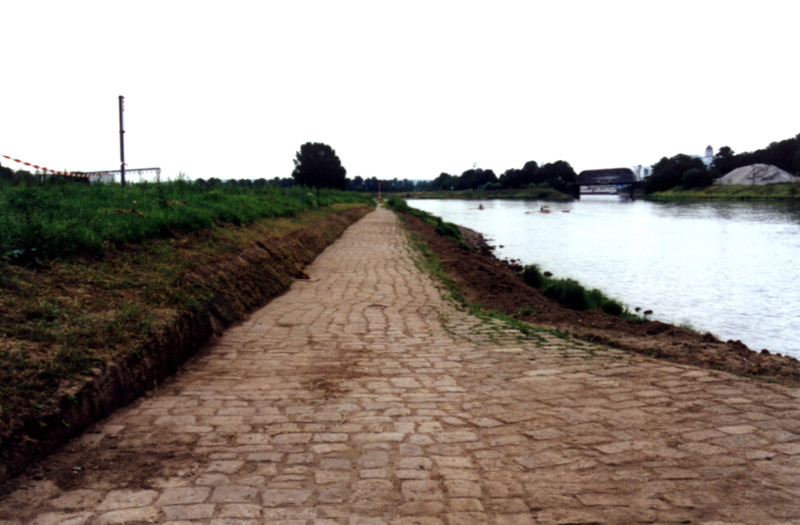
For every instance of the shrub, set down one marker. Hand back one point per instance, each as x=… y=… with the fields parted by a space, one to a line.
x=532 y=275
x=612 y=307
x=568 y=293
x=448 y=230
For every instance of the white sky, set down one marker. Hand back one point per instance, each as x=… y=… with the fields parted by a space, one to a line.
x=232 y=88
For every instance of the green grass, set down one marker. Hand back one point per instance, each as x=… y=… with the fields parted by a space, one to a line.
x=571 y=293
x=789 y=191
x=44 y=221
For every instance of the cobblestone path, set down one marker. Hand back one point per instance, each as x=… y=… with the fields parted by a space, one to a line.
x=362 y=397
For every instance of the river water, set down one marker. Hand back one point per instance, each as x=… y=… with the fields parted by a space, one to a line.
x=732 y=269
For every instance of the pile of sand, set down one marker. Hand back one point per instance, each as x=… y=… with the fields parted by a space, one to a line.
x=758 y=174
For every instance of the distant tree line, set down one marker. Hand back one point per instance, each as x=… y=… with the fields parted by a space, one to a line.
x=558 y=175
x=389 y=186
x=318 y=166
x=10 y=176
x=691 y=172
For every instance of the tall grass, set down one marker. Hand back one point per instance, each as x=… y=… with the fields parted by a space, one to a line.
x=40 y=221
x=571 y=293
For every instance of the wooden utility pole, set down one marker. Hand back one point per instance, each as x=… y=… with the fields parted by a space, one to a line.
x=121 y=141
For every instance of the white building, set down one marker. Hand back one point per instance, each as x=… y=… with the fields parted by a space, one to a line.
x=708 y=158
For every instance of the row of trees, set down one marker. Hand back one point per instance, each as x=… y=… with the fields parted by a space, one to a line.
x=691 y=172
x=558 y=175
x=317 y=165
x=784 y=154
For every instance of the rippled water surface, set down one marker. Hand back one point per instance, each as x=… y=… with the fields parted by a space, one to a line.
x=732 y=269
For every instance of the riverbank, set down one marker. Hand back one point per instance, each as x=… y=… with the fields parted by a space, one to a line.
x=767 y=192
x=496 y=285
x=92 y=334
x=543 y=193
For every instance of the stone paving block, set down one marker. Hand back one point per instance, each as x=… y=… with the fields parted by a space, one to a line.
x=183 y=495
x=240 y=510
x=188 y=512
x=62 y=518
x=421 y=490
x=234 y=494
x=78 y=499
x=225 y=467
x=124 y=499
x=281 y=497
x=134 y=515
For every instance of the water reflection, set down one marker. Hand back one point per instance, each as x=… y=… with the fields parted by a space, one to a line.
x=729 y=268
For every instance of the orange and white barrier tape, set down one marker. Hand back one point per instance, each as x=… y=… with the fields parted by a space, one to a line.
x=48 y=170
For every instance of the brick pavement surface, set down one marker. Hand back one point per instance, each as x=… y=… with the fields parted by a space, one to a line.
x=362 y=397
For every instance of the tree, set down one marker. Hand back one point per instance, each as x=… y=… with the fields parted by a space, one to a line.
x=514 y=178
x=696 y=178
x=797 y=163
x=444 y=181
x=724 y=161
x=558 y=175
x=357 y=184
x=6 y=173
x=668 y=172
x=317 y=166
x=474 y=179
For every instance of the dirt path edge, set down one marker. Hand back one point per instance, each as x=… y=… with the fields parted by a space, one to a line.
x=242 y=283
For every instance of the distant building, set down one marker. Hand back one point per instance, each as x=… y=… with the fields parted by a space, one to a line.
x=707 y=157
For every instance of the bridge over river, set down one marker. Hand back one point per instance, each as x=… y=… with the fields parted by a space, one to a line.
x=607 y=181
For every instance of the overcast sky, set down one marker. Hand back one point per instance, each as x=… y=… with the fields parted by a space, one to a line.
x=231 y=89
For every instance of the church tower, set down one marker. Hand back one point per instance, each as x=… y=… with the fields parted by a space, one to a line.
x=709 y=156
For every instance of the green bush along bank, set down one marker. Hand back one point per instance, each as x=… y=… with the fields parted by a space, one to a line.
x=571 y=293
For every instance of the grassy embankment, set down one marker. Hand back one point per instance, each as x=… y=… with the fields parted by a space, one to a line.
x=91 y=274
x=782 y=192
x=544 y=193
